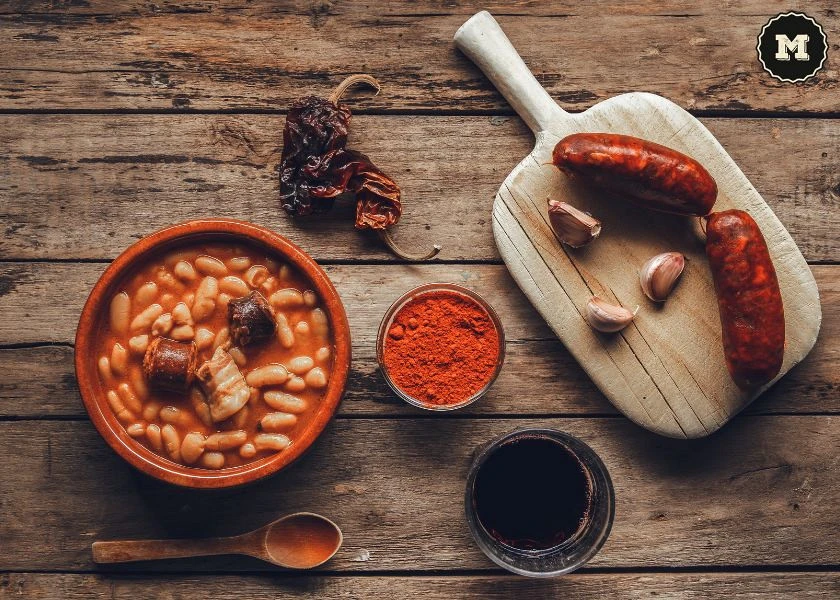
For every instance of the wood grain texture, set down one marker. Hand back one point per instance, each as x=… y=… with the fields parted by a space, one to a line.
x=193 y=55
x=87 y=186
x=763 y=491
x=662 y=371
x=539 y=377
x=581 y=586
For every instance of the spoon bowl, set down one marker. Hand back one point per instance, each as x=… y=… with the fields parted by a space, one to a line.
x=300 y=540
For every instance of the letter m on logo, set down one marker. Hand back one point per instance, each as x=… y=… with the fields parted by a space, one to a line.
x=798 y=45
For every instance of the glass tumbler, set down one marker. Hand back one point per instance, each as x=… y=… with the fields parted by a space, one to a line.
x=571 y=553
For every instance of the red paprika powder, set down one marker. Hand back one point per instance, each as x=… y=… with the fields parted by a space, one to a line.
x=441 y=348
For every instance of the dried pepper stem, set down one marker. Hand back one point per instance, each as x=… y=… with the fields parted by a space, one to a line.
x=385 y=236
x=352 y=80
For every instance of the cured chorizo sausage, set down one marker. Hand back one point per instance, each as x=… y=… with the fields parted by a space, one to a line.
x=654 y=175
x=752 y=316
x=170 y=365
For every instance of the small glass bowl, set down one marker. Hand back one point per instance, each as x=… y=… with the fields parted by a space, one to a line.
x=385 y=325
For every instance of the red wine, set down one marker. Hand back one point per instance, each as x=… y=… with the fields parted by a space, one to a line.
x=532 y=493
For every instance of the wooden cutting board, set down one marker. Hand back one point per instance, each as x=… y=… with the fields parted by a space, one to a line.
x=666 y=371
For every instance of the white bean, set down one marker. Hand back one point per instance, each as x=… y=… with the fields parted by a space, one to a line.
x=120 y=313
x=238 y=357
x=207 y=265
x=302 y=328
x=129 y=400
x=189 y=298
x=247 y=450
x=225 y=440
x=177 y=256
x=200 y=406
x=162 y=325
x=173 y=415
x=221 y=338
x=316 y=378
x=253 y=396
x=146 y=293
x=167 y=301
x=223 y=300
x=320 y=323
x=167 y=280
x=185 y=271
x=295 y=384
x=145 y=319
x=256 y=275
x=136 y=430
x=273 y=374
x=300 y=364
x=212 y=460
x=154 y=437
x=322 y=354
x=181 y=314
x=284 y=272
x=124 y=415
x=171 y=441
x=205 y=299
x=240 y=417
x=183 y=333
x=286 y=298
x=271 y=441
x=284 y=402
x=239 y=263
x=233 y=286
x=104 y=366
x=277 y=421
x=270 y=285
x=138 y=383
x=138 y=344
x=271 y=264
x=150 y=411
x=284 y=332
x=203 y=338
x=192 y=447
x=310 y=298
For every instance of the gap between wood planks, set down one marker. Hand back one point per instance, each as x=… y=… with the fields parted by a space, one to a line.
x=419 y=112
x=443 y=573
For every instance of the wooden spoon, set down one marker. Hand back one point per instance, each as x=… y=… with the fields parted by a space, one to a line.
x=297 y=541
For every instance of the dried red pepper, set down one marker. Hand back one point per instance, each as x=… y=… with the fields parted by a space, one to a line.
x=316 y=167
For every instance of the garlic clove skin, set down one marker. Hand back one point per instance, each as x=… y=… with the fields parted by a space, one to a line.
x=572 y=226
x=606 y=317
x=660 y=273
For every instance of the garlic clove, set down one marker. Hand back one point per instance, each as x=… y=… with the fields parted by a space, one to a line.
x=606 y=317
x=660 y=273
x=572 y=226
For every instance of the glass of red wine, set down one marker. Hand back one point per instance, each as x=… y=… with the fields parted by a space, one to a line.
x=539 y=502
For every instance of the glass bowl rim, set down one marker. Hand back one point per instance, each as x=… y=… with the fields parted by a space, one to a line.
x=413 y=293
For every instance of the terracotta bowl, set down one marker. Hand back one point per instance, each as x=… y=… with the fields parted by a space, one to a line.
x=97 y=308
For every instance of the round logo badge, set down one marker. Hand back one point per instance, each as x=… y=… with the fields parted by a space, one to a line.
x=792 y=47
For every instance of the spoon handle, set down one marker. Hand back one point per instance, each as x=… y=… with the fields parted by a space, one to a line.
x=132 y=550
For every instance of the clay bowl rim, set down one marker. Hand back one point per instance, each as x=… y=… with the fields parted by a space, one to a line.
x=96 y=306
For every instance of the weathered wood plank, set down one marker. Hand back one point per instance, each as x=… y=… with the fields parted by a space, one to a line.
x=581 y=586
x=419 y=8
x=762 y=491
x=539 y=377
x=83 y=186
x=262 y=59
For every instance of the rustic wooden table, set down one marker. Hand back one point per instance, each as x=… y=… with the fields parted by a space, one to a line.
x=121 y=117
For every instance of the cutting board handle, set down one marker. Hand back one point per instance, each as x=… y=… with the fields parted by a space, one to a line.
x=484 y=42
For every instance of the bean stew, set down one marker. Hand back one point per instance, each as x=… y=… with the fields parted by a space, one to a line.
x=215 y=355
